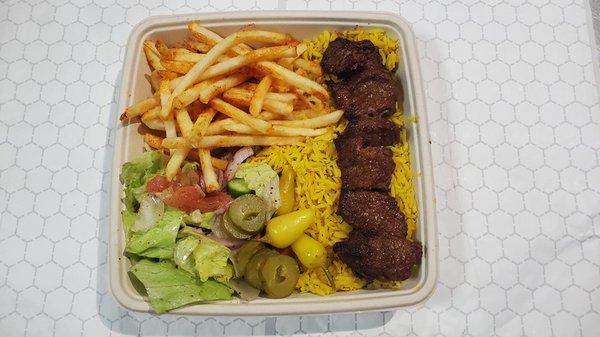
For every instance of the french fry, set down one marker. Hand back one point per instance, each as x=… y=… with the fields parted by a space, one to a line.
x=152 y=55
x=219 y=163
x=218 y=127
x=239 y=115
x=201 y=125
x=177 y=158
x=154 y=141
x=280 y=86
x=162 y=48
x=208 y=172
x=165 y=99
x=221 y=47
x=313 y=123
x=225 y=67
x=242 y=98
x=155 y=124
x=184 y=122
x=278 y=130
x=167 y=74
x=140 y=107
x=211 y=38
x=153 y=79
x=170 y=128
x=248 y=88
x=151 y=114
x=287 y=62
x=216 y=88
x=176 y=143
x=294 y=79
x=197 y=45
x=177 y=66
x=311 y=101
x=256 y=103
x=310 y=66
x=208 y=89
x=186 y=57
x=235 y=141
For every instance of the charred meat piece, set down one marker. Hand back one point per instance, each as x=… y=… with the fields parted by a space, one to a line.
x=372 y=213
x=374 y=131
x=379 y=257
x=371 y=93
x=344 y=57
x=364 y=168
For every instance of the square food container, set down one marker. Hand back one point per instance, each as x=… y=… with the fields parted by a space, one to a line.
x=301 y=24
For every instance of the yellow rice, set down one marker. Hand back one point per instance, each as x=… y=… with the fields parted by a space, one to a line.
x=318 y=178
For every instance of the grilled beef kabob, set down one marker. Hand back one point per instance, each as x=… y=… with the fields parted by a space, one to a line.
x=377 y=248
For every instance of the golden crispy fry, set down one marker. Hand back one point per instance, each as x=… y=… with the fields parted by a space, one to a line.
x=294 y=79
x=218 y=127
x=219 y=163
x=277 y=130
x=151 y=114
x=177 y=66
x=197 y=45
x=153 y=79
x=286 y=62
x=216 y=88
x=177 y=158
x=225 y=67
x=239 y=115
x=154 y=124
x=184 y=122
x=167 y=74
x=152 y=55
x=280 y=86
x=256 y=103
x=155 y=142
x=242 y=98
x=248 y=88
x=162 y=48
x=234 y=141
x=224 y=45
x=165 y=99
x=187 y=56
x=311 y=101
x=313 y=123
x=208 y=172
x=200 y=127
x=170 y=128
x=309 y=66
x=176 y=143
x=211 y=38
x=140 y=107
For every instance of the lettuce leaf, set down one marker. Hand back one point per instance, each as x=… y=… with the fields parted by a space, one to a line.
x=169 y=288
x=128 y=218
x=261 y=178
x=199 y=219
x=159 y=241
x=136 y=173
x=183 y=253
x=212 y=260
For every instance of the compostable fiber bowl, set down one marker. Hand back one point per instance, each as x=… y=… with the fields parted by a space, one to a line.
x=305 y=24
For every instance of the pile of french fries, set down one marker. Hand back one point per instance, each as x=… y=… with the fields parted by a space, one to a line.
x=220 y=92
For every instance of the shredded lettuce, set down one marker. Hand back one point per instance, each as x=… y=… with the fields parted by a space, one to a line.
x=183 y=254
x=129 y=217
x=261 y=178
x=212 y=260
x=136 y=173
x=159 y=241
x=169 y=288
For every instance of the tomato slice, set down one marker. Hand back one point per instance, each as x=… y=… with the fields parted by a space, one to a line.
x=214 y=201
x=189 y=198
x=158 y=184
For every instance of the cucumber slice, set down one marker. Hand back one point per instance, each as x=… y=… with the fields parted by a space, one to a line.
x=238 y=187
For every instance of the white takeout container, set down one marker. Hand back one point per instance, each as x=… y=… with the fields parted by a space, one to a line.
x=301 y=24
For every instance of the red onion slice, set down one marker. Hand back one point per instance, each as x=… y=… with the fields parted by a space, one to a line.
x=238 y=158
